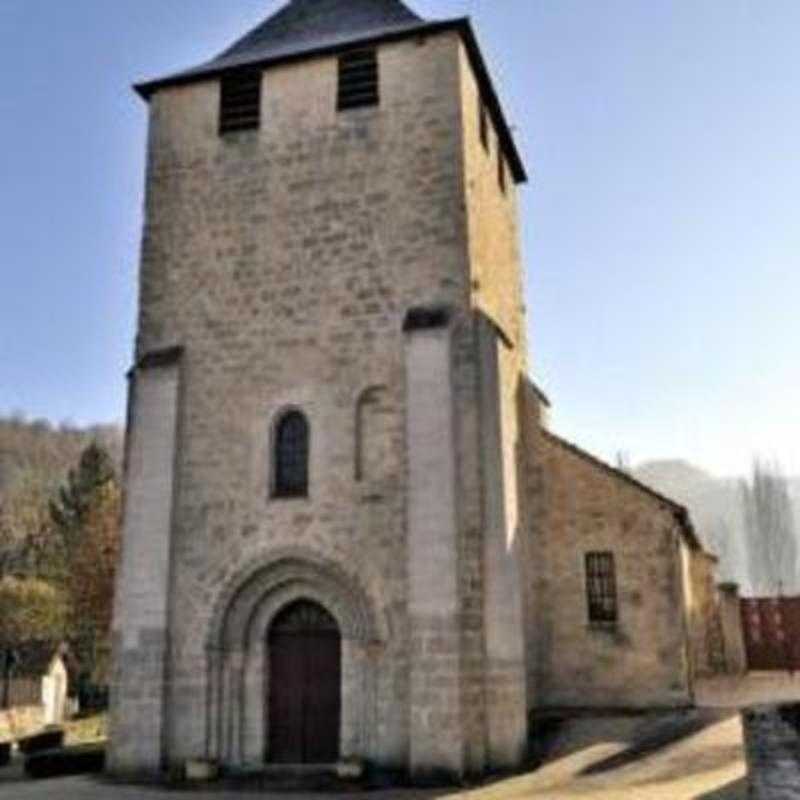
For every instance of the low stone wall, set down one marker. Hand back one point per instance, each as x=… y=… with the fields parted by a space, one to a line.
x=17 y=722
x=732 y=632
x=772 y=747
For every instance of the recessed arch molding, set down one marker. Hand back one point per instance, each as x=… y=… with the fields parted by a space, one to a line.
x=237 y=644
x=257 y=592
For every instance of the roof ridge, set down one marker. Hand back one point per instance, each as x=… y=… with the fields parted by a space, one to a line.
x=615 y=471
x=304 y=20
x=681 y=512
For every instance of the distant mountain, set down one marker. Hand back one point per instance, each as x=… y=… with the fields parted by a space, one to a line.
x=716 y=507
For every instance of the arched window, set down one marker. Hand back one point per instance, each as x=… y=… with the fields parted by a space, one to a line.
x=291 y=455
x=376 y=422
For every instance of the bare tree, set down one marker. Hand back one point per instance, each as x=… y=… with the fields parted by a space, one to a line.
x=771 y=537
x=722 y=545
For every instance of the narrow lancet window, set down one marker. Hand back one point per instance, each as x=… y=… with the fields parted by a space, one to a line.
x=501 y=172
x=483 y=122
x=291 y=455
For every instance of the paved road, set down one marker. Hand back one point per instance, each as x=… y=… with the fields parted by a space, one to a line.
x=591 y=760
x=86 y=789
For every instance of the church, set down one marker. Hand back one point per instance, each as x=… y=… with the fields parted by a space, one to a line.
x=350 y=534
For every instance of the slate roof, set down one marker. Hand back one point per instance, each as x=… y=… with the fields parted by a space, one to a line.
x=311 y=24
x=306 y=28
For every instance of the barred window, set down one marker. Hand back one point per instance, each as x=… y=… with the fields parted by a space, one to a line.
x=601 y=588
x=291 y=455
x=483 y=119
x=240 y=102
x=358 y=80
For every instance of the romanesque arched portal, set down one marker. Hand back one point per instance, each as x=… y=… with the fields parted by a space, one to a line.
x=248 y=689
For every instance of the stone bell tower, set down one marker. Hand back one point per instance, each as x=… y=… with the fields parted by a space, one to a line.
x=321 y=556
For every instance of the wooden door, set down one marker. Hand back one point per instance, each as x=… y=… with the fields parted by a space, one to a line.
x=305 y=653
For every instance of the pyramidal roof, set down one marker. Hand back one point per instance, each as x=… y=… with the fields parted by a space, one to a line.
x=306 y=28
x=311 y=24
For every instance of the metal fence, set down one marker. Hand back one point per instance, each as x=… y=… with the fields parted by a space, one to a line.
x=771 y=628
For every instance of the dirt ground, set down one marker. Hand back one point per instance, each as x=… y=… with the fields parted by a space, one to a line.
x=683 y=757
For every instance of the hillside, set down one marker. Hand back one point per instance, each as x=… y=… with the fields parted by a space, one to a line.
x=716 y=506
x=35 y=460
x=39 y=449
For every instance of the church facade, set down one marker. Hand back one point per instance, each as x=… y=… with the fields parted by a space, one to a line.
x=349 y=533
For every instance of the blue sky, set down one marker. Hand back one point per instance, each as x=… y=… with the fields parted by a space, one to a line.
x=661 y=228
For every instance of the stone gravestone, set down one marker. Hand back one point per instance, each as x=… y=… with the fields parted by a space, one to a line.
x=54 y=693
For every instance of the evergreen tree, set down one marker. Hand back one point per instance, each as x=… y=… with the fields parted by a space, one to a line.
x=75 y=500
x=86 y=516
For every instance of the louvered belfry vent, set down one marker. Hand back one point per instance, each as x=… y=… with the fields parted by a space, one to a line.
x=358 y=80
x=240 y=102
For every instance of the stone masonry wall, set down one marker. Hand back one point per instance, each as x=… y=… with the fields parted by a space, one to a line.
x=704 y=614
x=642 y=661
x=284 y=261
x=437 y=741
x=496 y=283
x=730 y=615
x=140 y=633
x=772 y=747
x=530 y=412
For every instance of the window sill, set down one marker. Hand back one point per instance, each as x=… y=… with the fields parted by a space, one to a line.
x=235 y=133
x=604 y=627
x=289 y=497
x=356 y=109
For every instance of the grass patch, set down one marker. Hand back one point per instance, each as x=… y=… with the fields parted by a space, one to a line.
x=85 y=730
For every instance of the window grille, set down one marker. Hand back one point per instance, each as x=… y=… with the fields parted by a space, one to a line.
x=358 y=80
x=240 y=102
x=601 y=588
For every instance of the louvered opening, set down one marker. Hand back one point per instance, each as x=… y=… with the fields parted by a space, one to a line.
x=502 y=178
x=240 y=102
x=358 y=80
x=484 y=125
